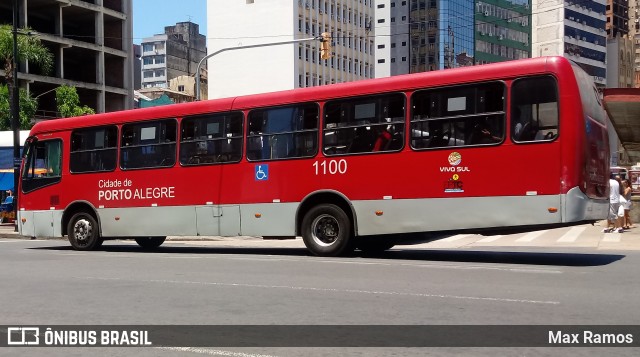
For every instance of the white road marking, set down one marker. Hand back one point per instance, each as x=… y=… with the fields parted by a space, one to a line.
x=571 y=235
x=531 y=236
x=206 y=351
x=490 y=239
x=353 y=291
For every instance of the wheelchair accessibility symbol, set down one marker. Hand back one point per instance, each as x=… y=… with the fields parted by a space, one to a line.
x=262 y=172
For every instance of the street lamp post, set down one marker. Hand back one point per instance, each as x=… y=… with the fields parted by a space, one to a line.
x=318 y=38
x=15 y=119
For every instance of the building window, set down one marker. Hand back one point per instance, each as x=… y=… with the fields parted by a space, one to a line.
x=181 y=88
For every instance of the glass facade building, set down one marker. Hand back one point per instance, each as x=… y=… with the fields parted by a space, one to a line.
x=503 y=30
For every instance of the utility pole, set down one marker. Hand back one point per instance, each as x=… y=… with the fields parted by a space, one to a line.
x=15 y=118
x=322 y=38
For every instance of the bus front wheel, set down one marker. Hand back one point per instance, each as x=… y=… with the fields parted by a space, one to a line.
x=83 y=232
x=326 y=231
x=150 y=242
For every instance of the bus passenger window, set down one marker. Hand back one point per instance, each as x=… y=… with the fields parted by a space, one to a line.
x=534 y=109
x=458 y=116
x=148 y=144
x=93 y=150
x=211 y=138
x=283 y=132
x=368 y=124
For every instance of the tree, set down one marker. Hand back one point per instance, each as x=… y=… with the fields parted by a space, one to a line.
x=28 y=107
x=68 y=102
x=29 y=49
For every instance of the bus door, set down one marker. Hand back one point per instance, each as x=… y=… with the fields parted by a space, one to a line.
x=211 y=143
x=41 y=172
x=536 y=151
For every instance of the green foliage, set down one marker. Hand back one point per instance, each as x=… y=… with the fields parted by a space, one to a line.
x=29 y=49
x=28 y=107
x=68 y=102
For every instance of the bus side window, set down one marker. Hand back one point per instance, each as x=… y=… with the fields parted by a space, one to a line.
x=534 y=109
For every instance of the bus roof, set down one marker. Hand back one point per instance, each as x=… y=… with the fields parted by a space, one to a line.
x=404 y=82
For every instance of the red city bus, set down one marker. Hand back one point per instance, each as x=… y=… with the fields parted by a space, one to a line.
x=348 y=165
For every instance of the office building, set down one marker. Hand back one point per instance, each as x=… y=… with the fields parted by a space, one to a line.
x=92 y=48
x=172 y=54
x=575 y=29
x=291 y=65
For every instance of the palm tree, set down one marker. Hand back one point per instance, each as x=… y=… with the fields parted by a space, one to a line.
x=29 y=49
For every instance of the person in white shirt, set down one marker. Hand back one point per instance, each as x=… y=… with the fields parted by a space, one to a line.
x=615 y=219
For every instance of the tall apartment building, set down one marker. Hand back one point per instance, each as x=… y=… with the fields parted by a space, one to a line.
x=426 y=35
x=423 y=35
x=503 y=30
x=172 y=54
x=575 y=29
x=617 y=18
x=293 y=65
x=92 y=47
x=634 y=35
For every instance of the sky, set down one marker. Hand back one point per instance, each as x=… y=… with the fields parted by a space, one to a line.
x=151 y=16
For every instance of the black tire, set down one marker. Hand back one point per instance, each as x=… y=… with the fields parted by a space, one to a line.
x=83 y=232
x=374 y=244
x=150 y=242
x=326 y=231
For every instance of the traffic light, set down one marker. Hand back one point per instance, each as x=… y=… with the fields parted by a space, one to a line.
x=325 y=52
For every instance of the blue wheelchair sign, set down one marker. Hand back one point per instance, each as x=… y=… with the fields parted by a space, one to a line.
x=262 y=172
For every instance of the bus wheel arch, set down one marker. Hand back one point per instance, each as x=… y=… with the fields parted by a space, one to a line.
x=81 y=225
x=328 y=212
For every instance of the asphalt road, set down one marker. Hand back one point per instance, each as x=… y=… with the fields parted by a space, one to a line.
x=204 y=283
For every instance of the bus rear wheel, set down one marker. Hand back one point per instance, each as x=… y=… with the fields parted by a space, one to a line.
x=326 y=231
x=150 y=242
x=374 y=244
x=83 y=232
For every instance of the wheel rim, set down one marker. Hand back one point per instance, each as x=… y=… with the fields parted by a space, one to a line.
x=82 y=231
x=325 y=230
